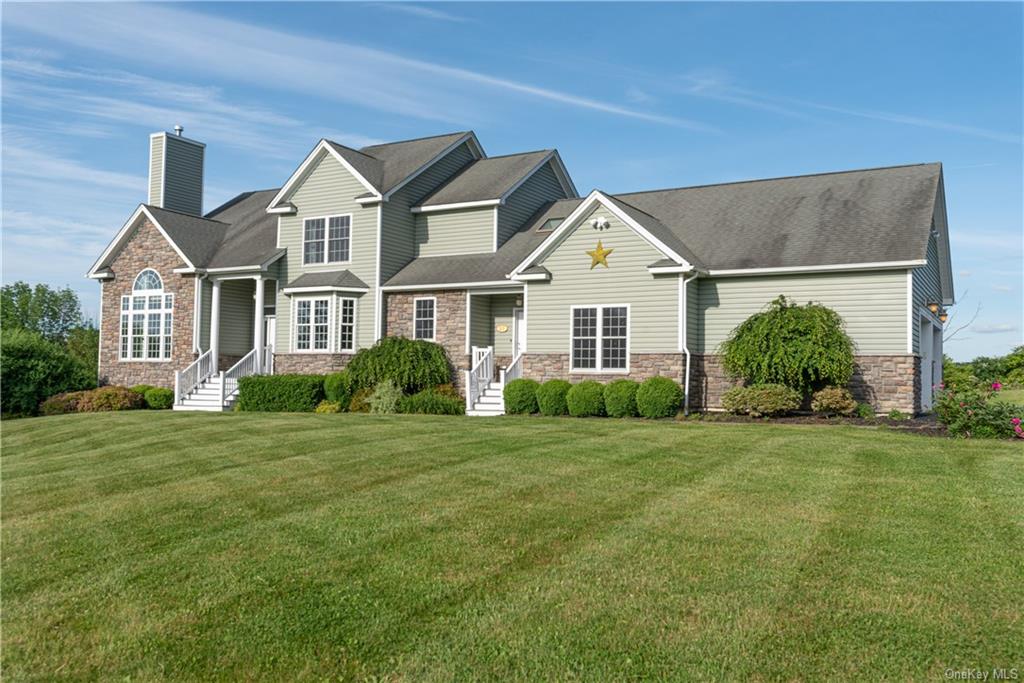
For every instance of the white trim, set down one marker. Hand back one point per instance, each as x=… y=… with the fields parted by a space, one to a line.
x=446 y=285
x=526 y=291
x=163 y=174
x=516 y=352
x=288 y=291
x=667 y=270
x=327 y=240
x=149 y=186
x=294 y=332
x=478 y=152
x=910 y=311
x=572 y=219
x=600 y=370
x=105 y=274
x=127 y=314
x=197 y=311
x=378 y=295
x=469 y=319
x=368 y=201
x=355 y=323
x=284 y=209
x=322 y=147
x=123 y=233
x=528 y=277
x=455 y=205
x=495 y=229
x=433 y=337
x=684 y=333
x=99 y=347
x=874 y=265
x=277 y=242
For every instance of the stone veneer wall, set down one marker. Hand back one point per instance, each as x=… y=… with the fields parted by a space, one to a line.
x=450 y=324
x=146 y=248
x=310 y=363
x=545 y=366
x=886 y=382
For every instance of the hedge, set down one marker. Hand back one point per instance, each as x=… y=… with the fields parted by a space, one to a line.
x=620 y=398
x=761 y=400
x=434 y=401
x=586 y=399
x=280 y=393
x=658 y=397
x=411 y=364
x=521 y=396
x=551 y=397
x=339 y=387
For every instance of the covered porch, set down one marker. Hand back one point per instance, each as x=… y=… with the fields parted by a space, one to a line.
x=495 y=342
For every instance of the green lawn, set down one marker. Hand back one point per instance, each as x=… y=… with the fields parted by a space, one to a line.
x=198 y=546
x=1010 y=396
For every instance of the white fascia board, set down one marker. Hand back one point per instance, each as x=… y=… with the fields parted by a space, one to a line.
x=122 y=234
x=283 y=209
x=366 y=201
x=528 y=277
x=456 y=205
x=105 y=274
x=572 y=219
x=327 y=288
x=446 y=285
x=877 y=265
x=664 y=270
x=468 y=137
x=322 y=147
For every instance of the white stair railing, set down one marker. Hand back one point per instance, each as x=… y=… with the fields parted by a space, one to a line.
x=513 y=371
x=186 y=381
x=248 y=365
x=480 y=375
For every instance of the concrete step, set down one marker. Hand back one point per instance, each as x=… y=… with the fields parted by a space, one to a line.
x=484 y=413
x=491 y=401
x=201 y=407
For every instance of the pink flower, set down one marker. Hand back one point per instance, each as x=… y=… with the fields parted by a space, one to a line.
x=996 y=386
x=1015 y=421
x=962 y=404
x=942 y=385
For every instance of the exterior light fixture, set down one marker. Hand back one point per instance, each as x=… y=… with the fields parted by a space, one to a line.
x=943 y=317
x=933 y=306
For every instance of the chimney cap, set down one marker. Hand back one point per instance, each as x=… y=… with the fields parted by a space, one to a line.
x=178 y=129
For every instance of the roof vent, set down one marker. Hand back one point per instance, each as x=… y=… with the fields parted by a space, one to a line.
x=179 y=129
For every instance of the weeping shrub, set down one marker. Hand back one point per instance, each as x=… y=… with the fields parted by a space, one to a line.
x=412 y=364
x=521 y=396
x=551 y=397
x=620 y=398
x=803 y=347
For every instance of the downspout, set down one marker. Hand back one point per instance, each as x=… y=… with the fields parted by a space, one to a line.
x=684 y=301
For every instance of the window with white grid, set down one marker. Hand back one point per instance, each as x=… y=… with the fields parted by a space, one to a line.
x=147 y=316
x=347 y=328
x=326 y=239
x=424 y=312
x=600 y=338
x=313 y=324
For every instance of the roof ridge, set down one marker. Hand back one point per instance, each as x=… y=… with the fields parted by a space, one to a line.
x=353 y=149
x=183 y=213
x=425 y=137
x=241 y=196
x=785 y=177
x=517 y=154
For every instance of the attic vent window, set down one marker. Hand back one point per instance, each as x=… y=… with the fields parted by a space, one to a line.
x=550 y=224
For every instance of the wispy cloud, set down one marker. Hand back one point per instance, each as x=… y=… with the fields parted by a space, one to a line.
x=964 y=273
x=363 y=76
x=1001 y=288
x=993 y=329
x=423 y=11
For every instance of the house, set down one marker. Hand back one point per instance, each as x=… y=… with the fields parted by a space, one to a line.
x=501 y=262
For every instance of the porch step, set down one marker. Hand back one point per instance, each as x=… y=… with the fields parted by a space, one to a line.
x=206 y=397
x=490 y=403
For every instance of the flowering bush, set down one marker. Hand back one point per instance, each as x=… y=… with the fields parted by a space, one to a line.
x=970 y=412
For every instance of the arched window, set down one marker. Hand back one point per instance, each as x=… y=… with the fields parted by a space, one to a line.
x=147 y=319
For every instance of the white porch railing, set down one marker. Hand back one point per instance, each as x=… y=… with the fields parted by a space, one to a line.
x=480 y=375
x=513 y=371
x=247 y=365
x=267 y=366
x=186 y=381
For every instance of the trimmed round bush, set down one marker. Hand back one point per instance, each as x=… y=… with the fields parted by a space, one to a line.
x=412 y=364
x=551 y=397
x=33 y=369
x=158 y=398
x=658 y=397
x=435 y=401
x=142 y=388
x=339 y=387
x=761 y=400
x=620 y=398
x=327 y=407
x=585 y=399
x=521 y=396
x=107 y=399
x=833 y=401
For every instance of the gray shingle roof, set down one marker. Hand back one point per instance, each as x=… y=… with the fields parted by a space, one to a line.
x=398 y=160
x=367 y=166
x=197 y=238
x=484 y=179
x=330 y=278
x=251 y=235
x=864 y=216
x=658 y=230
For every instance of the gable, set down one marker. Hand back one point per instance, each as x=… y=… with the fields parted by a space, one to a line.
x=630 y=250
x=539 y=189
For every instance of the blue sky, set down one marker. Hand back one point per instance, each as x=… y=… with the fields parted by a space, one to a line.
x=635 y=96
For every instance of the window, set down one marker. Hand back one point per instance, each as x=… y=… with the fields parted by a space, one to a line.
x=313 y=324
x=326 y=240
x=423 y=318
x=600 y=337
x=550 y=224
x=146 y=320
x=348 y=325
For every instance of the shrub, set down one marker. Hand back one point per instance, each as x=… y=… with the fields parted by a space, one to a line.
x=280 y=393
x=970 y=413
x=434 y=401
x=799 y=346
x=339 y=387
x=551 y=397
x=360 y=402
x=61 y=403
x=585 y=399
x=142 y=388
x=620 y=398
x=111 y=398
x=865 y=411
x=385 y=398
x=658 y=397
x=761 y=400
x=328 y=407
x=521 y=396
x=33 y=369
x=898 y=415
x=833 y=401
x=158 y=398
x=411 y=364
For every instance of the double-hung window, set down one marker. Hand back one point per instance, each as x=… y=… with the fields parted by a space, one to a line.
x=146 y=320
x=424 y=318
x=313 y=324
x=347 y=328
x=326 y=240
x=600 y=338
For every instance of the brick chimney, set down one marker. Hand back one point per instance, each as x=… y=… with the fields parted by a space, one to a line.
x=176 y=172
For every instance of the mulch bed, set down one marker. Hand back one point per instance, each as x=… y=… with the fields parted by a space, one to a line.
x=925 y=425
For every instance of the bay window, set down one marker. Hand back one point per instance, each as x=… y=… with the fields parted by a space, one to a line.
x=600 y=338
x=314 y=324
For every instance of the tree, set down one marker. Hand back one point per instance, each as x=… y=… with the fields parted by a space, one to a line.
x=53 y=313
x=803 y=347
x=83 y=345
x=33 y=368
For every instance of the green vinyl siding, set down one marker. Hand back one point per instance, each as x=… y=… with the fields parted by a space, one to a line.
x=540 y=188
x=927 y=287
x=461 y=231
x=502 y=307
x=693 y=331
x=653 y=300
x=236 y=316
x=398 y=240
x=873 y=306
x=329 y=189
x=481 y=332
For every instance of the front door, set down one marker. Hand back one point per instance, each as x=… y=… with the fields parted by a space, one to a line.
x=518 y=332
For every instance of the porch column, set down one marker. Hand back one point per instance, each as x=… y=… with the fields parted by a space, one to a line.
x=215 y=324
x=257 y=328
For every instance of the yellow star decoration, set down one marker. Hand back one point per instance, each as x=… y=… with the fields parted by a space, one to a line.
x=599 y=256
